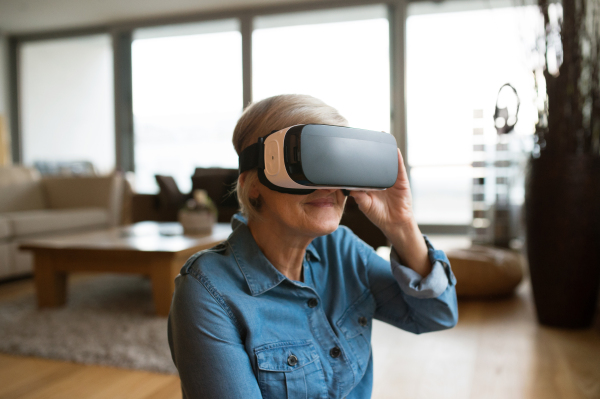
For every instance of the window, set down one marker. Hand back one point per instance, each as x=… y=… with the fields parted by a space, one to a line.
x=187 y=97
x=456 y=63
x=66 y=104
x=340 y=56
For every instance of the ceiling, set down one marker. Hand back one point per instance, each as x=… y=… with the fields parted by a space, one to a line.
x=29 y=16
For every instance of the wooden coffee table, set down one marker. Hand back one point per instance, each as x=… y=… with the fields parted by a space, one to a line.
x=157 y=250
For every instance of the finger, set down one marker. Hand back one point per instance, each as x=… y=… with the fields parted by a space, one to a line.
x=402 y=179
x=401 y=166
x=361 y=198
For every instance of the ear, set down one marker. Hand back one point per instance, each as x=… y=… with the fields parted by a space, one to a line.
x=254 y=193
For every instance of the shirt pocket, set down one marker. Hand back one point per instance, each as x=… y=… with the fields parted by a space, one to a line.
x=290 y=369
x=355 y=324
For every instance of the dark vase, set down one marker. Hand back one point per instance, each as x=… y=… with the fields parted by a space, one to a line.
x=563 y=238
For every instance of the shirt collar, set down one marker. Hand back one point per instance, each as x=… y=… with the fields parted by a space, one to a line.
x=260 y=274
x=312 y=251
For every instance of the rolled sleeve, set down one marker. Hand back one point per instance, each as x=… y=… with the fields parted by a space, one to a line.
x=430 y=286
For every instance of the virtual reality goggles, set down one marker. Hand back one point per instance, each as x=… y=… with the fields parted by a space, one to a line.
x=302 y=158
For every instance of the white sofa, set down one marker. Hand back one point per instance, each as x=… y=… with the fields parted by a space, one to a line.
x=32 y=206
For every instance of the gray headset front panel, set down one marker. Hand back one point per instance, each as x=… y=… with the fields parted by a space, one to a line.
x=341 y=156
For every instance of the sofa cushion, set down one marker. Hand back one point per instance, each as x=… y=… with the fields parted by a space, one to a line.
x=78 y=192
x=24 y=196
x=16 y=174
x=5 y=228
x=46 y=220
x=86 y=192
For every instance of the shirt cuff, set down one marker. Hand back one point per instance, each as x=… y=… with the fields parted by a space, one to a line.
x=430 y=286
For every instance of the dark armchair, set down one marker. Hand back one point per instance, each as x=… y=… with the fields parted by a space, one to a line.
x=219 y=184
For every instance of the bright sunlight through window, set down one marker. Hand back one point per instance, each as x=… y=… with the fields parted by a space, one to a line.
x=187 y=97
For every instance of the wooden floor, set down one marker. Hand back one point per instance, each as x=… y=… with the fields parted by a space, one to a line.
x=496 y=351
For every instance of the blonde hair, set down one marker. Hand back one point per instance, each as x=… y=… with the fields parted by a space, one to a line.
x=271 y=114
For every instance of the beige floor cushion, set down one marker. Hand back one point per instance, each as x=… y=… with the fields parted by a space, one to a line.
x=485 y=272
x=55 y=220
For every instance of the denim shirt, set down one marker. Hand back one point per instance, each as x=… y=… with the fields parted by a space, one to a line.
x=238 y=328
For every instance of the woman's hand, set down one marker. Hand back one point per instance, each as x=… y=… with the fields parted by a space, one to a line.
x=391 y=211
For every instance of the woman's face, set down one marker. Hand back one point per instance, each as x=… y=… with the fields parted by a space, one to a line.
x=312 y=215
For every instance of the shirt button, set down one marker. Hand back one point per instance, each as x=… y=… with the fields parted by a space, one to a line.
x=335 y=352
x=292 y=360
x=363 y=321
x=312 y=302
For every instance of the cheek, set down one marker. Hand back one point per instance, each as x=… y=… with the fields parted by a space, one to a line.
x=326 y=219
x=287 y=206
x=290 y=209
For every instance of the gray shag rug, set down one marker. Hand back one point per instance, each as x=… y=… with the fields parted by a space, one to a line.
x=108 y=320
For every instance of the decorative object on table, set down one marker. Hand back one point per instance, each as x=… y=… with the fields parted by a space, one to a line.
x=485 y=272
x=563 y=181
x=219 y=184
x=198 y=215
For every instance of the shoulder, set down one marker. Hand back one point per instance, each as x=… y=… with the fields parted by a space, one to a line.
x=207 y=279
x=215 y=268
x=205 y=259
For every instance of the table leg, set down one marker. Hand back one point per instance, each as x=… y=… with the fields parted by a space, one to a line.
x=50 y=285
x=163 y=284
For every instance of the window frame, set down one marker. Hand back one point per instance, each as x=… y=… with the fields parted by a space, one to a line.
x=122 y=37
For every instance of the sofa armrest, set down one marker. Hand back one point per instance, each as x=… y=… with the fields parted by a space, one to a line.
x=86 y=192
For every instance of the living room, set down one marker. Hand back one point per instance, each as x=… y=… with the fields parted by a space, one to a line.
x=117 y=120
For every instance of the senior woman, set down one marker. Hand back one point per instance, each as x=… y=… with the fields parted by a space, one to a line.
x=284 y=307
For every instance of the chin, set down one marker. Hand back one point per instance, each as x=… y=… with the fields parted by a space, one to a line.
x=326 y=228
x=324 y=223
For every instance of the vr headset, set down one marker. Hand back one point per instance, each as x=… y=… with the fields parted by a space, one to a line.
x=302 y=158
